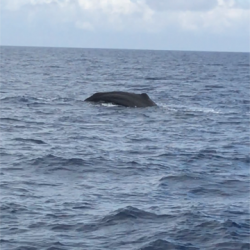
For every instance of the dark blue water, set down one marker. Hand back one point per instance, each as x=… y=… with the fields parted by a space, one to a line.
x=80 y=176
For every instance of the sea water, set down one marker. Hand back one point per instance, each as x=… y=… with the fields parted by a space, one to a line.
x=77 y=175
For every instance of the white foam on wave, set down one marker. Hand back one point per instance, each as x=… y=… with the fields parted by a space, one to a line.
x=205 y=110
x=188 y=109
x=109 y=105
x=95 y=124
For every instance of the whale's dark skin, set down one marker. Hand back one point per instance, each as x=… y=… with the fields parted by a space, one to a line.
x=122 y=98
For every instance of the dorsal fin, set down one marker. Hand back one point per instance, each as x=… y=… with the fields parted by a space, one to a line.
x=145 y=95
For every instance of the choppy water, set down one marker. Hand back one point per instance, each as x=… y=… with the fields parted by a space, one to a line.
x=80 y=176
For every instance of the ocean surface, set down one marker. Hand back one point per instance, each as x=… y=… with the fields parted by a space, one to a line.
x=77 y=175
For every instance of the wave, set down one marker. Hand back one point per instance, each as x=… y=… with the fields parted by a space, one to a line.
x=62 y=99
x=209 y=191
x=53 y=246
x=215 y=64
x=206 y=154
x=62 y=227
x=195 y=185
x=231 y=245
x=29 y=100
x=36 y=141
x=4 y=241
x=231 y=232
x=39 y=184
x=128 y=213
x=182 y=183
x=223 y=188
x=57 y=163
x=23 y=99
x=123 y=215
x=9 y=119
x=25 y=247
x=181 y=177
x=157 y=78
x=13 y=208
x=213 y=86
x=185 y=109
x=243 y=64
x=194 y=156
x=164 y=244
x=244 y=159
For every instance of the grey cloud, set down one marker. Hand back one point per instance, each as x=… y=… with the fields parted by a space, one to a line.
x=181 y=5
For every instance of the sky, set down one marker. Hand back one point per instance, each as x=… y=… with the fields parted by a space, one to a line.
x=191 y=25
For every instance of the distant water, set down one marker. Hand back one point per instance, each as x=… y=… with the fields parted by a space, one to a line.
x=75 y=175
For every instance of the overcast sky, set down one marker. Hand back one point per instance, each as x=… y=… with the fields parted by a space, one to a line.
x=206 y=25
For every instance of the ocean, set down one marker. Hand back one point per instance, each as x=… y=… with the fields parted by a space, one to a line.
x=78 y=175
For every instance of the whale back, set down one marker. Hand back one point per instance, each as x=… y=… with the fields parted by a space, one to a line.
x=122 y=98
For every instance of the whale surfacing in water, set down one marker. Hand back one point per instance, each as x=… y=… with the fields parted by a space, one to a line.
x=122 y=98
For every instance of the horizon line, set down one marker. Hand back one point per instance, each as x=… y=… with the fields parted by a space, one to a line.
x=177 y=50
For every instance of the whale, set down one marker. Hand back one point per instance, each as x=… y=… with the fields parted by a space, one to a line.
x=121 y=98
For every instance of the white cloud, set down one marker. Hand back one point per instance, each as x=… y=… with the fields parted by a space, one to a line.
x=147 y=15
x=109 y=6
x=219 y=17
x=104 y=14
x=181 y=5
x=223 y=17
x=118 y=15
